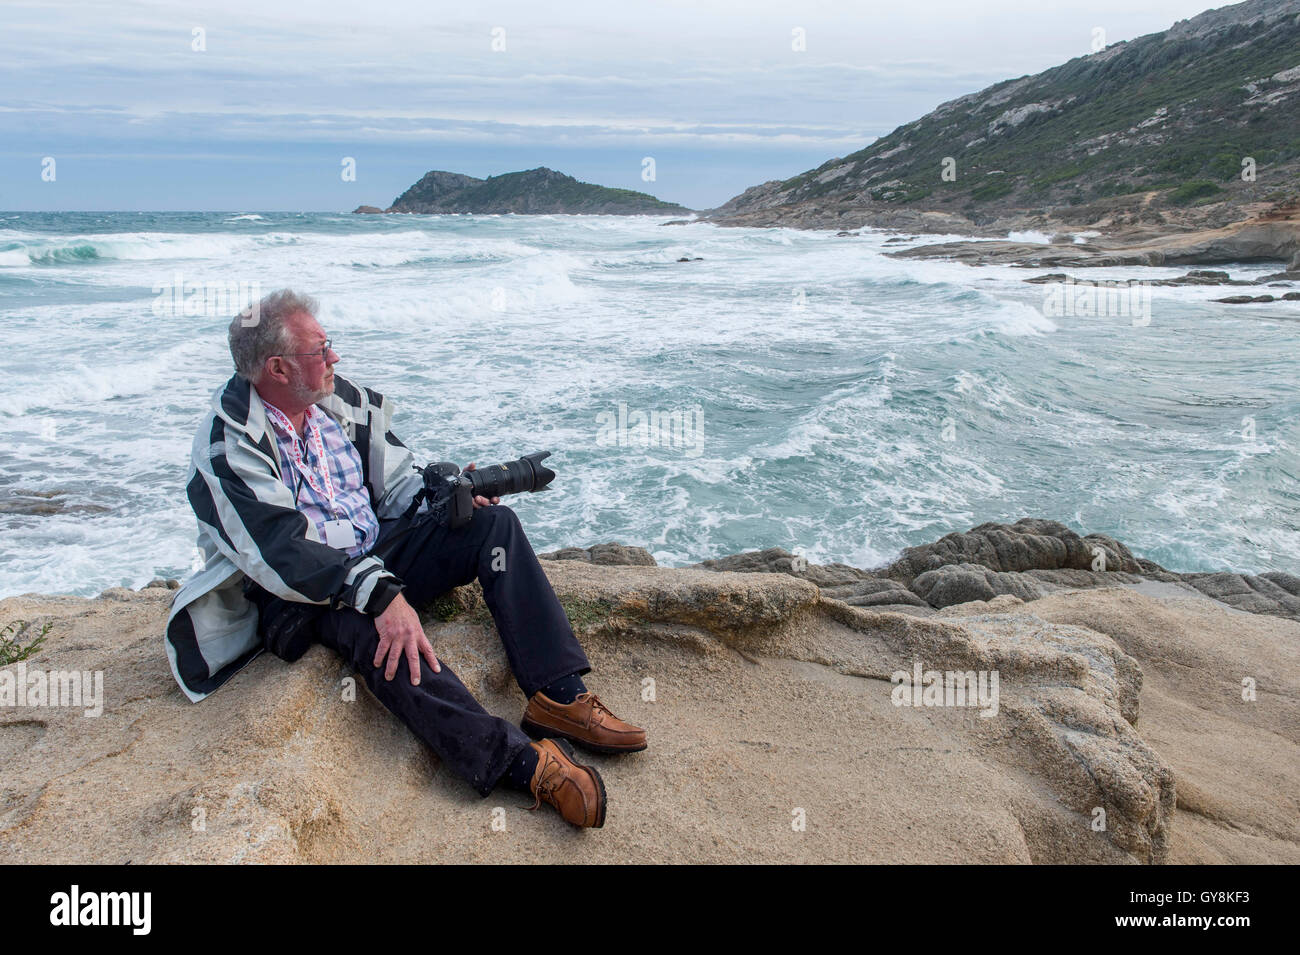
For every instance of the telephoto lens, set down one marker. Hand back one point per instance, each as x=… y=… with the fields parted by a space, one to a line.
x=526 y=474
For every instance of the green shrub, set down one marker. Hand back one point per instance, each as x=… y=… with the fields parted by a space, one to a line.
x=1189 y=192
x=10 y=649
x=992 y=190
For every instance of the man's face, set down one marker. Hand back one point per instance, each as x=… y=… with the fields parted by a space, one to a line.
x=311 y=378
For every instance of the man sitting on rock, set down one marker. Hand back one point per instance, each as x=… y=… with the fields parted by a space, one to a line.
x=298 y=485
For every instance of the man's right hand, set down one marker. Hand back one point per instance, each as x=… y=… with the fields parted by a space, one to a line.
x=400 y=634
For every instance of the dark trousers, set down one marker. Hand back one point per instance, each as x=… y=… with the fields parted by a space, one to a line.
x=539 y=642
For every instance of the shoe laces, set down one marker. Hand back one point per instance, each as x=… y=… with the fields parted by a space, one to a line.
x=596 y=705
x=552 y=776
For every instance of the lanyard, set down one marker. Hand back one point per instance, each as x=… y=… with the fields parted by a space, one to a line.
x=320 y=482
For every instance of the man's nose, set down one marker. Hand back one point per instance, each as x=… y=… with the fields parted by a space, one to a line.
x=332 y=358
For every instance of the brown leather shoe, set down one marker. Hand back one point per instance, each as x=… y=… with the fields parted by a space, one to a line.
x=577 y=791
x=586 y=721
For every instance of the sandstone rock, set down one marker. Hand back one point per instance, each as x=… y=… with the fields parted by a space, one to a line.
x=1026 y=560
x=1193 y=277
x=283 y=767
x=1152 y=570
x=1194 y=653
x=742 y=649
x=960 y=583
x=837 y=581
x=1272 y=593
x=34 y=502
x=612 y=553
x=1288 y=582
x=1076 y=697
x=1028 y=544
x=1273 y=235
x=1052 y=558
x=769 y=693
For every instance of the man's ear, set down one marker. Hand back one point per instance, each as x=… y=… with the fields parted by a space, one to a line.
x=276 y=369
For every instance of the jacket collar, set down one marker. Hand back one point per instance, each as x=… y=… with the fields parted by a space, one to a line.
x=346 y=403
x=240 y=406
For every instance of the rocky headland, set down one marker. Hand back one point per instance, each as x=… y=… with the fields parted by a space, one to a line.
x=1176 y=148
x=1142 y=715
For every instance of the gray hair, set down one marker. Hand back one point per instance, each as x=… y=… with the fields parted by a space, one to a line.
x=259 y=331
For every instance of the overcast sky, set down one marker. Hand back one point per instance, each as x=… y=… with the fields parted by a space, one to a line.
x=262 y=118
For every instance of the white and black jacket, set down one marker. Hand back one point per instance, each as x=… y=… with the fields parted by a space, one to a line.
x=249 y=527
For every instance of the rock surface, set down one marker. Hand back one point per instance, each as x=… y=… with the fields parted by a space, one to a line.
x=856 y=587
x=1027 y=560
x=1273 y=236
x=1271 y=593
x=613 y=554
x=1028 y=544
x=765 y=699
x=1194 y=277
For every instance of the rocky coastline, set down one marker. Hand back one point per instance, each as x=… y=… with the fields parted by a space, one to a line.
x=1168 y=149
x=1142 y=715
x=1271 y=236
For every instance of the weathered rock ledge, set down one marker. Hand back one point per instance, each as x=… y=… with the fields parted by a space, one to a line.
x=1273 y=235
x=768 y=697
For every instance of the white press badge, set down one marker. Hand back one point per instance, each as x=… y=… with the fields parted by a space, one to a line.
x=340 y=534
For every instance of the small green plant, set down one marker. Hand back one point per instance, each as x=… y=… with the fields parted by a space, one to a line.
x=11 y=651
x=444 y=607
x=584 y=613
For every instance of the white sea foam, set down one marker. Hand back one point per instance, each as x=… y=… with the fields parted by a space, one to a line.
x=822 y=421
x=1030 y=235
x=136 y=247
x=1017 y=318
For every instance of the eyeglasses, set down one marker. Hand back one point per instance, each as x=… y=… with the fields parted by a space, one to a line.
x=323 y=352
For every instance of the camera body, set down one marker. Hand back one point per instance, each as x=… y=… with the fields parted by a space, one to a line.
x=450 y=492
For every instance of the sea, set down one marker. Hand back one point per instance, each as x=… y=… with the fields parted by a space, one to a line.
x=779 y=388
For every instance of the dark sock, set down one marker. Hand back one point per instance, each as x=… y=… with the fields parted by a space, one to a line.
x=521 y=769
x=566 y=689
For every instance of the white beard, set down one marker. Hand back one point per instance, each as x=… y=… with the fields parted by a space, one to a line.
x=307 y=396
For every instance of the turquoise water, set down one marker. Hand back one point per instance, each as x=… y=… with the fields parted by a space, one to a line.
x=827 y=399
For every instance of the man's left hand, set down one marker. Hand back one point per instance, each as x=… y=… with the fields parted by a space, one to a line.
x=479 y=499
